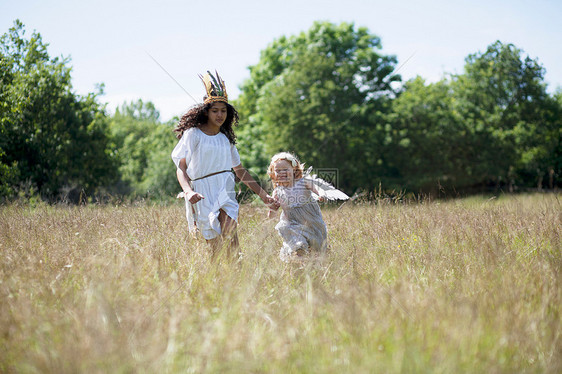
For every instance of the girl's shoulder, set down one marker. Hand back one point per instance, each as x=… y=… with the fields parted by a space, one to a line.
x=193 y=136
x=190 y=133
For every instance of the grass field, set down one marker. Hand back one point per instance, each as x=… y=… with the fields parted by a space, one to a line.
x=462 y=286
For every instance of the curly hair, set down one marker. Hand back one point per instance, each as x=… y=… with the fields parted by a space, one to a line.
x=199 y=115
x=298 y=169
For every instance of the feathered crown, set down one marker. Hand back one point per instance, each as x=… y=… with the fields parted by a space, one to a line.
x=215 y=88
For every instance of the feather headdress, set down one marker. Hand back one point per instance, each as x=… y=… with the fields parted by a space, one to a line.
x=215 y=88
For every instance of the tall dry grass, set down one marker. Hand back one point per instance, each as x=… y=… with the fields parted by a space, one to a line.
x=470 y=285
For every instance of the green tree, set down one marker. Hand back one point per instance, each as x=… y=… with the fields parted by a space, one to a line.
x=502 y=97
x=52 y=139
x=143 y=146
x=493 y=126
x=552 y=151
x=316 y=94
x=426 y=138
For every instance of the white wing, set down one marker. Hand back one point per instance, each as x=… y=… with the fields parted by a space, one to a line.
x=325 y=189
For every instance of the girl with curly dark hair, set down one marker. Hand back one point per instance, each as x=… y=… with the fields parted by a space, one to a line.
x=199 y=116
x=204 y=156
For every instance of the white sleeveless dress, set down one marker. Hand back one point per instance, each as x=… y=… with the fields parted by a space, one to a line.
x=206 y=154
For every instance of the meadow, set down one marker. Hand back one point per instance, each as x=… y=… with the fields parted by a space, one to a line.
x=469 y=285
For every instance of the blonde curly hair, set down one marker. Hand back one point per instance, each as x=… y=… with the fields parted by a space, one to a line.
x=298 y=167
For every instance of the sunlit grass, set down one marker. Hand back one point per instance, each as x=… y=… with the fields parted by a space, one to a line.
x=470 y=285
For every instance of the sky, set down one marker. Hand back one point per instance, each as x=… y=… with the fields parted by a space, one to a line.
x=133 y=47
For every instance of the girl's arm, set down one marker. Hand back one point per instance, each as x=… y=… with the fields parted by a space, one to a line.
x=183 y=179
x=247 y=179
x=310 y=185
x=272 y=209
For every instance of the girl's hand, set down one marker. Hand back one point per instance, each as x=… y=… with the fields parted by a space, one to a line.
x=194 y=197
x=271 y=202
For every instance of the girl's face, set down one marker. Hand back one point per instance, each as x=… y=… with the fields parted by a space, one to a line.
x=284 y=173
x=217 y=114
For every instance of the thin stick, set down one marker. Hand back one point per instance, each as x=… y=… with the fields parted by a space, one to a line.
x=165 y=71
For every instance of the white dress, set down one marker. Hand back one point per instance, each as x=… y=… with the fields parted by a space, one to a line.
x=207 y=154
x=301 y=225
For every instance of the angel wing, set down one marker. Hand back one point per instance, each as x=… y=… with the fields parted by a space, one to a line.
x=325 y=189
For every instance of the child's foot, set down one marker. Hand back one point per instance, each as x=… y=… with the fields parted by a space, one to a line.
x=300 y=252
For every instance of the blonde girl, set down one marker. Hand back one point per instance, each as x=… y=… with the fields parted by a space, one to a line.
x=301 y=225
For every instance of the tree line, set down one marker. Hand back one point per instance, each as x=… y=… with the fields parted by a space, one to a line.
x=327 y=94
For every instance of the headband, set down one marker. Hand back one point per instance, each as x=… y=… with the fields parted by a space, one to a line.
x=285 y=156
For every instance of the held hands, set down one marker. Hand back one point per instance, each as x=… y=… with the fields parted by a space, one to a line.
x=270 y=202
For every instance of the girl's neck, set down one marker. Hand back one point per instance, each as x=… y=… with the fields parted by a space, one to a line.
x=210 y=129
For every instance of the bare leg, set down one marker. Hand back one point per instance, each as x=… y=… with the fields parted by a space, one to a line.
x=216 y=245
x=228 y=229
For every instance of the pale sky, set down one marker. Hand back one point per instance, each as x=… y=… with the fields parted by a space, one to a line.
x=110 y=41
